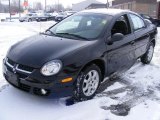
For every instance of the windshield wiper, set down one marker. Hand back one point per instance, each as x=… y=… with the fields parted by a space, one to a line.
x=74 y=35
x=50 y=31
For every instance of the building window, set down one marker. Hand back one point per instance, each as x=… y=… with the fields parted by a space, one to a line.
x=122 y=6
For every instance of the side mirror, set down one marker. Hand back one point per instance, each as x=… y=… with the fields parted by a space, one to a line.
x=117 y=37
x=147 y=21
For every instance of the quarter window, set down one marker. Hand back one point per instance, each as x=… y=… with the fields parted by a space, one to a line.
x=138 y=23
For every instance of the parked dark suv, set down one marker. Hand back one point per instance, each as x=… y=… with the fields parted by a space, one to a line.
x=73 y=57
x=155 y=21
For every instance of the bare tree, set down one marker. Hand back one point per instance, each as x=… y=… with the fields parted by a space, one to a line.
x=68 y=8
x=37 y=6
x=55 y=7
x=59 y=7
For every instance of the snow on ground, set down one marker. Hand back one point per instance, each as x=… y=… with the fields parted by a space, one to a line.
x=135 y=95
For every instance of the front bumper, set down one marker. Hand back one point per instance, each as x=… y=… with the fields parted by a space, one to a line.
x=34 y=82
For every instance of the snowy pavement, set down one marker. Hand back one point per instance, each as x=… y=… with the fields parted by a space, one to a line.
x=135 y=95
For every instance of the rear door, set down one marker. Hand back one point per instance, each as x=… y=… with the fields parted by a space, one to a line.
x=121 y=54
x=141 y=33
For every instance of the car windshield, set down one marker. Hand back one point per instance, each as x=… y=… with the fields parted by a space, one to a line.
x=81 y=26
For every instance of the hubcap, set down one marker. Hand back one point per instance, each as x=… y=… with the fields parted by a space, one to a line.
x=90 y=83
x=150 y=53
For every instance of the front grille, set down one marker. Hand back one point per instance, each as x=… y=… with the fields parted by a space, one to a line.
x=18 y=67
x=10 y=62
x=9 y=68
x=26 y=68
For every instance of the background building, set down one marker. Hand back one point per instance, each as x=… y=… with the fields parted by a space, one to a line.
x=87 y=4
x=148 y=7
x=95 y=5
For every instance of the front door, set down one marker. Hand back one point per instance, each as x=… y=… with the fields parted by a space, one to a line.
x=121 y=54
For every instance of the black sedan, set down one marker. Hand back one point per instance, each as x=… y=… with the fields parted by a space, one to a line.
x=153 y=20
x=73 y=57
x=45 y=17
x=60 y=16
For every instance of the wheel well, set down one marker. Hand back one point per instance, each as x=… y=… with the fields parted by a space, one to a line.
x=99 y=63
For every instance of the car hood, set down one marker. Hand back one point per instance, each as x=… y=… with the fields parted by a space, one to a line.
x=37 y=50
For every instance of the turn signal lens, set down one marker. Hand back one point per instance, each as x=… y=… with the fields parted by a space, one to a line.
x=67 y=80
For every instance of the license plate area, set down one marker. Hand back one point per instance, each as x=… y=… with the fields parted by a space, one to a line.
x=12 y=78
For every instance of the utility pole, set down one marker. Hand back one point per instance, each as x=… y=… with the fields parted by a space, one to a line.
x=107 y=4
x=58 y=5
x=19 y=8
x=0 y=6
x=45 y=5
x=10 y=10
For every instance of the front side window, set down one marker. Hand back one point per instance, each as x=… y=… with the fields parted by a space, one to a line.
x=88 y=26
x=138 y=23
x=121 y=26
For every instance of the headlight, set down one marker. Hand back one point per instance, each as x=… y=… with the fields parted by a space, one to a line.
x=51 y=68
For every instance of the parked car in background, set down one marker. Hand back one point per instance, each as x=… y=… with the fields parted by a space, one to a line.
x=2 y=17
x=70 y=12
x=28 y=17
x=60 y=16
x=63 y=15
x=153 y=20
x=73 y=57
x=54 y=14
x=45 y=17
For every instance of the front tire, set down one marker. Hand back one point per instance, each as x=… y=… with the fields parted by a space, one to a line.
x=87 y=83
x=29 y=20
x=147 y=57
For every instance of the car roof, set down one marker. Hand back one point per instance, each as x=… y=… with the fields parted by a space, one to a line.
x=109 y=11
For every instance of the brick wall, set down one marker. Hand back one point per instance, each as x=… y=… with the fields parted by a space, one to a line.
x=140 y=6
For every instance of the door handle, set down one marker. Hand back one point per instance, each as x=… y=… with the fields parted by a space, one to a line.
x=132 y=42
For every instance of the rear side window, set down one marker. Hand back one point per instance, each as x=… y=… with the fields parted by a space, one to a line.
x=138 y=23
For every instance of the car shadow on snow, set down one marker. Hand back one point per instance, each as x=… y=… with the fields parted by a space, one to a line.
x=135 y=92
